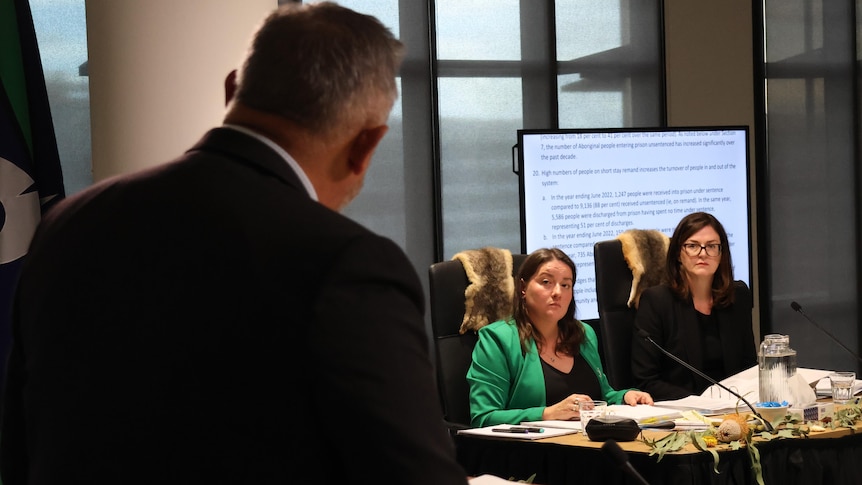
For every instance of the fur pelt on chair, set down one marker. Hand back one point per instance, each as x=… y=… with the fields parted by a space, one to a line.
x=645 y=252
x=488 y=297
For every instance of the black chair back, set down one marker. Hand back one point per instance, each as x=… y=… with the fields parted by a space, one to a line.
x=616 y=319
x=453 y=351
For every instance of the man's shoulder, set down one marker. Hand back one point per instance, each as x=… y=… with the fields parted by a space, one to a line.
x=362 y=251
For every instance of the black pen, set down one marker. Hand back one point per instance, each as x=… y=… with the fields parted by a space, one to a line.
x=659 y=425
x=518 y=429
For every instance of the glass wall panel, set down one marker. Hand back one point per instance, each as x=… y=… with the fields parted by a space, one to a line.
x=479 y=118
x=586 y=108
x=61 y=32
x=458 y=113
x=381 y=205
x=587 y=27
x=609 y=63
x=478 y=29
x=812 y=175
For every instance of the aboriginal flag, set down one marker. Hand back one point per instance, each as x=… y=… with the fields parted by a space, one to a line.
x=30 y=175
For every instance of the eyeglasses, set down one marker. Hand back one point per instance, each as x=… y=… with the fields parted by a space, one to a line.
x=693 y=249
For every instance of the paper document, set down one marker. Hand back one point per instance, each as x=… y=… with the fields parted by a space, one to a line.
x=551 y=423
x=643 y=413
x=509 y=431
x=715 y=400
x=705 y=405
x=747 y=383
x=488 y=480
x=692 y=420
x=687 y=425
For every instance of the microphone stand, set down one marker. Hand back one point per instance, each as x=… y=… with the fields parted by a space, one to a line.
x=622 y=460
x=685 y=364
x=796 y=307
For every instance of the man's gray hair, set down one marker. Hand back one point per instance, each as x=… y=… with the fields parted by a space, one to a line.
x=321 y=66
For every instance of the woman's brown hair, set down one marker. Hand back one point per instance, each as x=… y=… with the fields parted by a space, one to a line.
x=571 y=330
x=722 y=282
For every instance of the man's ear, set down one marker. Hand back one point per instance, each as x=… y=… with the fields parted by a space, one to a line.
x=363 y=146
x=229 y=87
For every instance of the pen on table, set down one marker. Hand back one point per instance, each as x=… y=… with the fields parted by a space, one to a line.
x=519 y=429
x=658 y=425
x=656 y=419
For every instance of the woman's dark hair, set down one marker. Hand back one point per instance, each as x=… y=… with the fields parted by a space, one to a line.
x=722 y=283
x=571 y=330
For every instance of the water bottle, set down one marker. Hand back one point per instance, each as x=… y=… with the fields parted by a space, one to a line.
x=777 y=366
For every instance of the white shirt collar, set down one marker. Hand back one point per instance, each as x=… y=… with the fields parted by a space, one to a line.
x=286 y=156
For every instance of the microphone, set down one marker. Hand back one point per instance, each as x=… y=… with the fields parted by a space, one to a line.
x=622 y=460
x=797 y=308
x=644 y=335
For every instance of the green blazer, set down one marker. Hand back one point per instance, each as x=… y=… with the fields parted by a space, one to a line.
x=508 y=387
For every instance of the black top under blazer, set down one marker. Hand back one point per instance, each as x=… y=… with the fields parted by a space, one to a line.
x=672 y=323
x=206 y=321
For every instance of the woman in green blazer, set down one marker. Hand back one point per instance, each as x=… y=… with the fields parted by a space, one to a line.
x=542 y=355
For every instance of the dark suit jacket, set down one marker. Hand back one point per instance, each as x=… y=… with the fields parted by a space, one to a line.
x=672 y=323
x=206 y=321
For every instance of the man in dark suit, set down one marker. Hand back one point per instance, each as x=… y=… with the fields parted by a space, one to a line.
x=215 y=319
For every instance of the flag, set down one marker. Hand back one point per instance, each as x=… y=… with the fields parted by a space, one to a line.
x=30 y=175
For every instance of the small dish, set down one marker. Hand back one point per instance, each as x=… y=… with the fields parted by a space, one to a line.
x=771 y=411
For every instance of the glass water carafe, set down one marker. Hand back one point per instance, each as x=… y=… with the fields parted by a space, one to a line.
x=777 y=366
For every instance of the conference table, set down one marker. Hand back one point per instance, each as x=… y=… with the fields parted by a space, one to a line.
x=830 y=457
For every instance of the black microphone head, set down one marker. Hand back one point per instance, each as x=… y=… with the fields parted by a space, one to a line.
x=795 y=306
x=643 y=334
x=616 y=453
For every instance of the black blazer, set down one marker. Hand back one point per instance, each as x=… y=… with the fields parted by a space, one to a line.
x=672 y=323
x=206 y=321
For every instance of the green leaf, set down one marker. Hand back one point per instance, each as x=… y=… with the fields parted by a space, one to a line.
x=756 y=467
x=529 y=480
x=699 y=443
x=671 y=442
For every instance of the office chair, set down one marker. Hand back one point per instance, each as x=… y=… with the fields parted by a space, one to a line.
x=448 y=282
x=617 y=295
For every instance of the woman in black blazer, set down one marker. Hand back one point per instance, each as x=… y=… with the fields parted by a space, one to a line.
x=702 y=315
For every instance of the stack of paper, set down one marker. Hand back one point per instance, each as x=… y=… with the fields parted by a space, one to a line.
x=643 y=413
x=488 y=480
x=747 y=383
x=692 y=420
x=715 y=400
x=573 y=426
x=705 y=405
